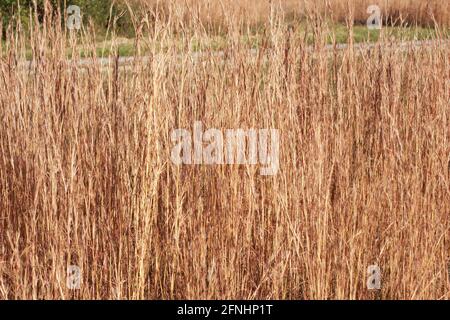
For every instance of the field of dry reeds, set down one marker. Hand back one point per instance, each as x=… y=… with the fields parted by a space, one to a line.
x=86 y=176
x=218 y=12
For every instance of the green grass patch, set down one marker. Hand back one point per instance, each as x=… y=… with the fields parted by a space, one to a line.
x=336 y=32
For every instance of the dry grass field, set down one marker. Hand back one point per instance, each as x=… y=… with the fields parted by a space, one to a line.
x=86 y=176
x=219 y=12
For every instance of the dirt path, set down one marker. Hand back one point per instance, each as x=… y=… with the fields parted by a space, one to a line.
x=198 y=56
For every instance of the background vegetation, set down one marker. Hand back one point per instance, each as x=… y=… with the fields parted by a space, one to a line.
x=214 y=13
x=98 y=12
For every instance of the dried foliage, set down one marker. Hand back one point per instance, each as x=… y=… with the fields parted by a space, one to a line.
x=86 y=177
